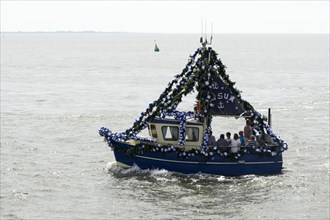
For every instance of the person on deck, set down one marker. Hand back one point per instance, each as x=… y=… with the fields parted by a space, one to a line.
x=252 y=142
x=222 y=143
x=241 y=138
x=235 y=144
x=212 y=141
x=247 y=130
x=228 y=138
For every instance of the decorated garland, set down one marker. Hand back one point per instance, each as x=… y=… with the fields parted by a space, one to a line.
x=181 y=116
x=210 y=153
x=202 y=68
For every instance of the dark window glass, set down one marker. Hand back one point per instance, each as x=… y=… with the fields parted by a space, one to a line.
x=170 y=133
x=153 y=131
x=192 y=134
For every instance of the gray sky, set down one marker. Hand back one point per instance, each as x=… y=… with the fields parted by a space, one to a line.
x=167 y=16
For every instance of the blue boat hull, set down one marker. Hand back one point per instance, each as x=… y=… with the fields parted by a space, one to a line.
x=219 y=165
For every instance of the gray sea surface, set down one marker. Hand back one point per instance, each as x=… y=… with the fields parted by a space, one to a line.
x=58 y=89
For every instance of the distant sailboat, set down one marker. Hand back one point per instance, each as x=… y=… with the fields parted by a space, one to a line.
x=156 y=47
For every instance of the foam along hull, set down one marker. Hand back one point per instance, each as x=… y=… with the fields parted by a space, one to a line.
x=219 y=165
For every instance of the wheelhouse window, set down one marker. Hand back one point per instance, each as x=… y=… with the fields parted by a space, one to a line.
x=170 y=133
x=153 y=131
x=192 y=134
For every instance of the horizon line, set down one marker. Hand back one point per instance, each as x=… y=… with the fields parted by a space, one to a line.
x=129 y=32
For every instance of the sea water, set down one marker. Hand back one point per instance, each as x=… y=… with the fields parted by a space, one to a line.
x=58 y=89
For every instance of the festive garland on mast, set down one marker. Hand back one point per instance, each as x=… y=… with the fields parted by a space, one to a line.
x=201 y=68
x=169 y=99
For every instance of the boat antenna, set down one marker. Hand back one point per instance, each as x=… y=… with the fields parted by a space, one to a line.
x=201 y=38
x=204 y=40
x=211 y=33
x=205 y=32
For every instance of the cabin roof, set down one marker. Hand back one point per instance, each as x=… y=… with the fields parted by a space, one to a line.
x=174 y=122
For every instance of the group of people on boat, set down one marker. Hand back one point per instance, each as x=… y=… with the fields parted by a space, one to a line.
x=245 y=138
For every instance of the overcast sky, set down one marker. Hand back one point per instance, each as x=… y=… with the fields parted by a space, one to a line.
x=166 y=16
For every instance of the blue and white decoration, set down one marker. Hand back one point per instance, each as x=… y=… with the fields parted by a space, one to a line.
x=111 y=137
x=262 y=127
x=209 y=153
x=217 y=96
x=169 y=99
x=182 y=117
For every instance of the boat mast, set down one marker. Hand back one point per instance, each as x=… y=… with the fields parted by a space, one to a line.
x=204 y=40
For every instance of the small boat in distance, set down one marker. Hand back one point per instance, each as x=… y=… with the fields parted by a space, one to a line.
x=181 y=141
x=156 y=47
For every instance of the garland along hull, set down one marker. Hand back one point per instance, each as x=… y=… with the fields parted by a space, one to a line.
x=219 y=165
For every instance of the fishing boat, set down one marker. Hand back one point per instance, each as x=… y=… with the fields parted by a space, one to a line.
x=181 y=141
